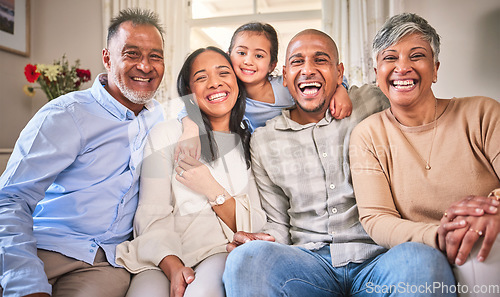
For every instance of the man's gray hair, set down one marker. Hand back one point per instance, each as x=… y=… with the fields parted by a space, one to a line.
x=401 y=25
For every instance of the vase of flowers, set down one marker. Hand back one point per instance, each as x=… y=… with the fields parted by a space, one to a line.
x=55 y=79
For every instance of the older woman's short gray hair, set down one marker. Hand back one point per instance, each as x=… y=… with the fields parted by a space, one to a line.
x=401 y=25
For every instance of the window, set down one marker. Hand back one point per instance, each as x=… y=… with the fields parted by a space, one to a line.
x=214 y=21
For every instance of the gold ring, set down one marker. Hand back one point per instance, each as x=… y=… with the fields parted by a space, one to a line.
x=479 y=232
x=495 y=194
x=182 y=172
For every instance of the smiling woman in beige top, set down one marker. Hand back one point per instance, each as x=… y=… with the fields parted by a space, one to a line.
x=188 y=209
x=423 y=169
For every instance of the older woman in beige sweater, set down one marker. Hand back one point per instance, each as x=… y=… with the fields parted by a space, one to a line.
x=423 y=170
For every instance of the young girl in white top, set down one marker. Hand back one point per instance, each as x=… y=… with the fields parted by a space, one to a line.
x=254 y=54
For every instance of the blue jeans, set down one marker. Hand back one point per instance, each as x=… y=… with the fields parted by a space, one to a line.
x=262 y=269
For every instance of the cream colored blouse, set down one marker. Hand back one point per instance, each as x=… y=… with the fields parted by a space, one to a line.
x=171 y=219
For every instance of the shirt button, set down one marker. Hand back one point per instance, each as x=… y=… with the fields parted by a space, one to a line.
x=325 y=155
x=91 y=250
x=93 y=245
x=133 y=167
x=332 y=186
x=334 y=210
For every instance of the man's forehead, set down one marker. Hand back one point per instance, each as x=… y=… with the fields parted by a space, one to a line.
x=127 y=37
x=310 y=44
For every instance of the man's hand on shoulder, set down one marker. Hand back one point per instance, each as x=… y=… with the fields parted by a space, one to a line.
x=241 y=237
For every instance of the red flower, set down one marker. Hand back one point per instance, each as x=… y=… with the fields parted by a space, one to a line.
x=83 y=74
x=30 y=73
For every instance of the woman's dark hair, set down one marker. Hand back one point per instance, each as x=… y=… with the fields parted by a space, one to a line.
x=259 y=28
x=209 y=149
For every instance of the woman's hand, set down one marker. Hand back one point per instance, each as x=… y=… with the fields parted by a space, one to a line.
x=196 y=176
x=471 y=206
x=446 y=227
x=242 y=237
x=179 y=275
x=181 y=278
x=189 y=142
x=488 y=226
x=464 y=223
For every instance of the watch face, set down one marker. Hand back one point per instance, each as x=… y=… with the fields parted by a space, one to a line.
x=220 y=199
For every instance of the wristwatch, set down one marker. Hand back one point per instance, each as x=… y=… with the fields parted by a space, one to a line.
x=219 y=200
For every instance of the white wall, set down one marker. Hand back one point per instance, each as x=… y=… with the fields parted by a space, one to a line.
x=470 y=43
x=57 y=27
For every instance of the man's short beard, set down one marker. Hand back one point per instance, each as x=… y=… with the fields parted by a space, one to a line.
x=135 y=96
x=132 y=95
x=316 y=109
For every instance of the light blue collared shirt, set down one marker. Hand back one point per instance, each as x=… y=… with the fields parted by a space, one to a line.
x=71 y=184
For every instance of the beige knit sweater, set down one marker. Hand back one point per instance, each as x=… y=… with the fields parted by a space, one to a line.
x=398 y=199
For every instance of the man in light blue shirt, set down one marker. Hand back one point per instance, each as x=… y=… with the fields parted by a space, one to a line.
x=70 y=189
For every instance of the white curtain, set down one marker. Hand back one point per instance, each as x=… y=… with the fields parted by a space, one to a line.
x=353 y=24
x=174 y=16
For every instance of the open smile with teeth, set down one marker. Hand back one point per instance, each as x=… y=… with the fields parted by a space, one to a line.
x=141 y=79
x=247 y=71
x=404 y=84
x=309 y=88
x=217 y=96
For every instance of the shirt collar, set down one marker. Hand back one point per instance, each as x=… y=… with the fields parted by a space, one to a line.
x=286 y=123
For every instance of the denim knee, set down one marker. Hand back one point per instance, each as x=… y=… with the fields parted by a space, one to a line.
x=418 y=253
x=244 y=266
x=413 y=255
x=246 y=254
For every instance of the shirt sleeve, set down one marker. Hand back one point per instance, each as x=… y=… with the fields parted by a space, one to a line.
x=182 y=114
x=490 y=132
x=377 y=211
x=249 y=124
x=274 y=201
x=47 y=145
x=345 y=82
x=249 y=214
x=154 y=233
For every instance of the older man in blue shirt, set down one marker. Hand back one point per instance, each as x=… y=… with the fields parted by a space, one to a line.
x=70 y=190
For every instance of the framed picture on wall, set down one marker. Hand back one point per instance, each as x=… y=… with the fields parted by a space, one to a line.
x=15 y=26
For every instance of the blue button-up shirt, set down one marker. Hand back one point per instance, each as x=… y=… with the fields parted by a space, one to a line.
x=71 y=184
